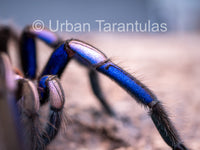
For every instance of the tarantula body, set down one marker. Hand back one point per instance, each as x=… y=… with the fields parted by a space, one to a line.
x=49 y=89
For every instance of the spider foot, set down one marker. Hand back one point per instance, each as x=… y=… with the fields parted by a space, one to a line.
x=180 y=147
x=165 y=127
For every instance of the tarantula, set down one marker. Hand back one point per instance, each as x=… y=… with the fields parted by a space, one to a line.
x=31 y=91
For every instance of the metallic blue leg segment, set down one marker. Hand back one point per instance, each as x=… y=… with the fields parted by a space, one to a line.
x=91 y=55
x=98 y=60
x=57 y=62
x=128 y=82
x=28 y=56
x=45 y=35
x=28 y=48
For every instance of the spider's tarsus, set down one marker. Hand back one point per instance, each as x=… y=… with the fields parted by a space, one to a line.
x=165 y=127
x=180 y=147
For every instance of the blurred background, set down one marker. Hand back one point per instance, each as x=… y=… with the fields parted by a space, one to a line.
x=168 y=63
x=180 y=15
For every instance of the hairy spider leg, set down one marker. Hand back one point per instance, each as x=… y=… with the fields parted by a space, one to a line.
x=52 y=88
x=29 y=105
x=134 y=87
x=10 y=130
x=26 y=94
x=57 y=64
x=28 y=48
x=28 y=55
x=157 y=112
x=29 y=65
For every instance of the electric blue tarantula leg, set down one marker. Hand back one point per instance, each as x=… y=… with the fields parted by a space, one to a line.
x=134 y=87
x=57 y=64
x=29 y=65
x=28 y=48
x=52 y=92
x=10 y=127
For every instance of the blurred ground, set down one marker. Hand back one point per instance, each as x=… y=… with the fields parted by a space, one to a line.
x=168 y=64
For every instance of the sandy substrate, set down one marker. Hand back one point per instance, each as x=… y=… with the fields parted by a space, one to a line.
x=168 y=64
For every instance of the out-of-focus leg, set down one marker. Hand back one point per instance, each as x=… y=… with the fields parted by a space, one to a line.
x=10 y=127
x=95 y=84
